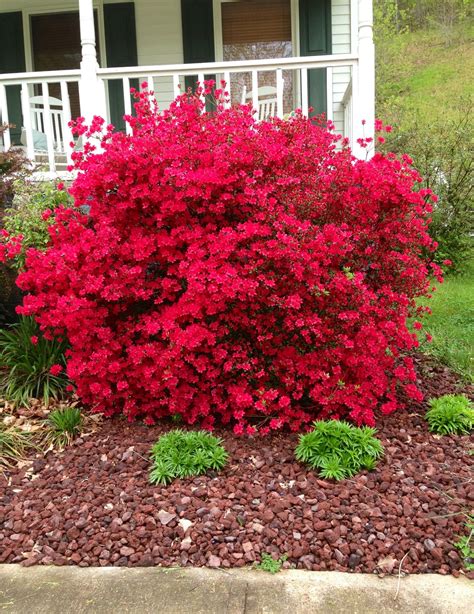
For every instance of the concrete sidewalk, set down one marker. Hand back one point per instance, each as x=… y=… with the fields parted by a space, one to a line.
x=118 y=590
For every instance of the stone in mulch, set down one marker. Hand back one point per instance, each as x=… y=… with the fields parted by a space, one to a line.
x=92 y=505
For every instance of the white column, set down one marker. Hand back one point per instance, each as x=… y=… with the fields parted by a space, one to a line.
x=90 y=92
x=364 y=91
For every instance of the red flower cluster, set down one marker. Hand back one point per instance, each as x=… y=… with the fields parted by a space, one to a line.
x=252 y=273
x=9 y=246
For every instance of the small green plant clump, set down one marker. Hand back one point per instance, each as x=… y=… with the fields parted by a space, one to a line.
x=182 y=454
x=31 y=367
x=269 y=564
x=451 y=414
x=62 y=425
x=338 y=449
x=465 y=545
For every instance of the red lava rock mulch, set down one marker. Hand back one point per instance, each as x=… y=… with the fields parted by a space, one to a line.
x=92 y=504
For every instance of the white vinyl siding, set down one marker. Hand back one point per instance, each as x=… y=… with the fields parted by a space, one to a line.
x=159 y=40
x=341 y=43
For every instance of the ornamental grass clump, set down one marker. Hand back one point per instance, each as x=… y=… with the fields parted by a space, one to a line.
x=61 y=426
x=338 y=449
x=182 y=454
x=31 y=366
x=229 y=270
x=14 y=444
x=451 y=414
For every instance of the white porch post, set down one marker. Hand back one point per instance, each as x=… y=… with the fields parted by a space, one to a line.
x=364 y=94
x=90 y=90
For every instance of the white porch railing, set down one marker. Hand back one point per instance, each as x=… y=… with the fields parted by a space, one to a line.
x=45 y=133
x=226 y=70
x=48 y=122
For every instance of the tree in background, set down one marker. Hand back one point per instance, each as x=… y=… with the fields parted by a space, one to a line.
x=419 y=14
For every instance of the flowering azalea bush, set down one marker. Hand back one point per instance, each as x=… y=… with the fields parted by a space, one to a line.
x=248 y=272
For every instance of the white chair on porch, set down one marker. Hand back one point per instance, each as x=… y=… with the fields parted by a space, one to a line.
x=267 y=101
x=39 y=124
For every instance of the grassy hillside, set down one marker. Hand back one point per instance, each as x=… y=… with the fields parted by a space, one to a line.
x=427 y=72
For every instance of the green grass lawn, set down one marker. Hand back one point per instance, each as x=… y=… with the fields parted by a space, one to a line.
x=452 y=323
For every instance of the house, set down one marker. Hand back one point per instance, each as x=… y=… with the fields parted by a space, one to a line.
x=63 y=58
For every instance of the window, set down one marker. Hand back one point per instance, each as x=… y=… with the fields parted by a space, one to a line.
x=253 y=30
x=56 y=45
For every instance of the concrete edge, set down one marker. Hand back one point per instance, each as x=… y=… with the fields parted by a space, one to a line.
x=117 y=590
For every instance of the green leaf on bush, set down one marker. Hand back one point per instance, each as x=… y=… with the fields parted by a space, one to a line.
x=338 y=449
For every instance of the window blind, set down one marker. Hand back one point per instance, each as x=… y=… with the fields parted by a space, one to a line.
x=256 y=21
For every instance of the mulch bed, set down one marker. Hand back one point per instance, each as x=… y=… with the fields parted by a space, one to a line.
x=92 y=504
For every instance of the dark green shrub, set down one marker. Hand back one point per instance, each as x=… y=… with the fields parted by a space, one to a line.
x=10 y=296
x=182 y=454
x=451 y=414
x=338 y=449
x=443 y=154
x=30 y=365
